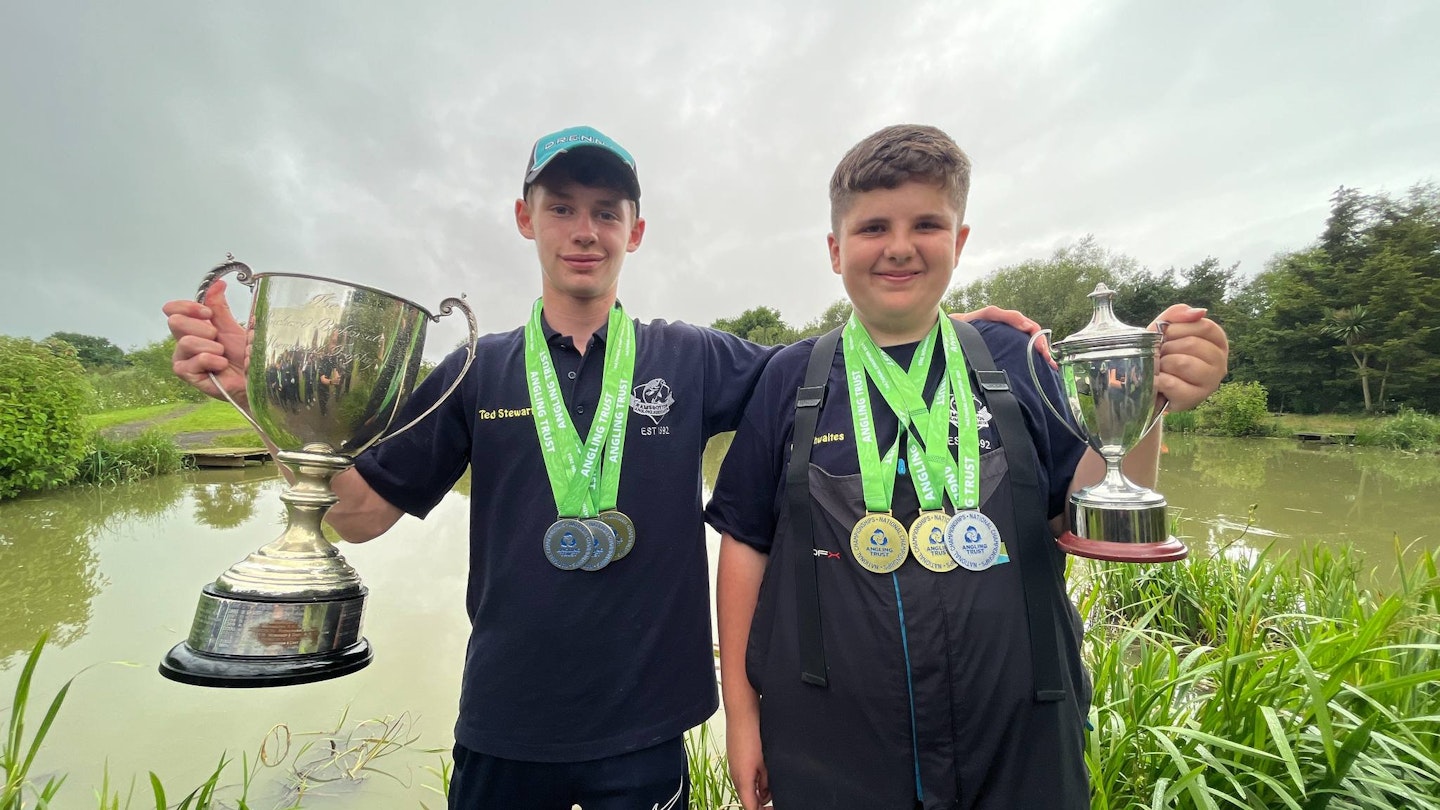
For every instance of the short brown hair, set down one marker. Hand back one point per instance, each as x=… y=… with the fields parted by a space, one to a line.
x=897 y=155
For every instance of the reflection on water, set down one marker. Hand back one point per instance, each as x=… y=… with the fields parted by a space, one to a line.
x=1295 y=494
x=1280 y=491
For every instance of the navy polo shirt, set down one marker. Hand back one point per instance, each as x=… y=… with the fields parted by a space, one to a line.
x=751 y=487
x=569 y=666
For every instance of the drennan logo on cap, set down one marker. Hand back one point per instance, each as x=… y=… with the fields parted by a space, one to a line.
x=652 y=399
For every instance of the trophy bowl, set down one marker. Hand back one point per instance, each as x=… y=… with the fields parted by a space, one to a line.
x=1107 y=374
x=330 y=366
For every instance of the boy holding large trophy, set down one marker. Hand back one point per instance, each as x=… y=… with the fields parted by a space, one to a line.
x=894 y=626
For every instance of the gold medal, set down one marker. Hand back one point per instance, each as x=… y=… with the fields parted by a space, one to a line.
x=879 y=543
x=624 y=531
x=927 y=542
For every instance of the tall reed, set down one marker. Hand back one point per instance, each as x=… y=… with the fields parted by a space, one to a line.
x=1260 y=682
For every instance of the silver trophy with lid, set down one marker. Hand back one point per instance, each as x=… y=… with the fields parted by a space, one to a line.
x=330 y=366
x=1108 y=377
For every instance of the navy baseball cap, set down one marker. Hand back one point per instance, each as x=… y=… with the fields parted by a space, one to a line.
x=587 y=140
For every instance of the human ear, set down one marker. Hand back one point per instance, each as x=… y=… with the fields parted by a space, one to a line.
x=523 y=220
x=637 y=233
x=961 y=234
x=834 y=244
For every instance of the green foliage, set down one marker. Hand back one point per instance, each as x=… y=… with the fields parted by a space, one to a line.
x=1182 y=421
x=43 y=398
x=1256 y=683
x=837 y=314
x=17 y=755
x=1362 y=305
x=1407 y=430
x=137 y=386
x=710 y=785
x=93 y=352
x=1051 y=292
x=1235 y=409
x=761 y=325
x=120 y=461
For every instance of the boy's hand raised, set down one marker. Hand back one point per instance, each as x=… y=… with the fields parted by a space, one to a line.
x=208 y=340
x=1193 y=358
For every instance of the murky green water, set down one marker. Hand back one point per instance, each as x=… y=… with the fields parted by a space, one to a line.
x=114 y=576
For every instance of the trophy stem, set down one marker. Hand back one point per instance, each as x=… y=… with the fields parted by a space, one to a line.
x=300 y=563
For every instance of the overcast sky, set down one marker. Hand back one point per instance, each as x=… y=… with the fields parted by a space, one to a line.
x=384 y=142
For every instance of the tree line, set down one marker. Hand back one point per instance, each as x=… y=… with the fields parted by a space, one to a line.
x=1349 y=323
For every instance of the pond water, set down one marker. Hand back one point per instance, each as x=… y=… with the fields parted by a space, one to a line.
x=114 y=575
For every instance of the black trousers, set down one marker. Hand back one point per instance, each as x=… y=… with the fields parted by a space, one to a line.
x=655 y=778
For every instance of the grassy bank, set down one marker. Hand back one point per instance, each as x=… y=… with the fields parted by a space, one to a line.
x=216 y=422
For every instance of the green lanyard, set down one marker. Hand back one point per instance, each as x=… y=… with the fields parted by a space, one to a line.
x=903 y=391
x=583 y=481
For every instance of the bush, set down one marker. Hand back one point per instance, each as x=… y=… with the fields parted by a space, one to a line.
x=119 y=461
x=43 y=401
x=1182 y=421
x=1236 y=409
x=139 y=386
x=1407 y=430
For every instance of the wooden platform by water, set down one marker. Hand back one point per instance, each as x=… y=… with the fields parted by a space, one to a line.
x=1326 y=438
x=227 y=456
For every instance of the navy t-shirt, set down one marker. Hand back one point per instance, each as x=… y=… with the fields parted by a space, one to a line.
x=568 y=666
x=751 y=487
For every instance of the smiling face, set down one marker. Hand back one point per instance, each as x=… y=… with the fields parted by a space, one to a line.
x=895 y=250
x=581 y=234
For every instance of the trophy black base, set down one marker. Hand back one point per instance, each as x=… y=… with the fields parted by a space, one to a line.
x=254 y=641
x=1168 y=550
x=196 y=668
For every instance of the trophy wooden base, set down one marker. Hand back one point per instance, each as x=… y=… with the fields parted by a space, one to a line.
x=1168 y=550
x=187 y=665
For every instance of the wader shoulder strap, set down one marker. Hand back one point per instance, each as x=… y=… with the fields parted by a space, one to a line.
x=1037 y=569
x=797 y=495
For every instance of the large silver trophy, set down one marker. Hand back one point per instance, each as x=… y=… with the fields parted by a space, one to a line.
x=330 y=366
x=1108 y=373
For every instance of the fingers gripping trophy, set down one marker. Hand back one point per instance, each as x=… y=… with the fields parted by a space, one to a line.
x=330 y=366
x=1108 y=378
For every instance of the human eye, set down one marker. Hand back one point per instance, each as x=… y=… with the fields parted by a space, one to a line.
x=609 y=215
x=560 y=209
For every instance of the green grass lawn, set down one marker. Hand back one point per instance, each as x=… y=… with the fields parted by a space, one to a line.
x=184 y=417
x=1321 y=422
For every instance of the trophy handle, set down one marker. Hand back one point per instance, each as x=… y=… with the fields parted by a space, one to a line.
x=1040 y=389
x=446 y=307
x=246 y=276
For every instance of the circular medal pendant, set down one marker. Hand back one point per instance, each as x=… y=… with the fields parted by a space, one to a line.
x=602 y=547
x=927 y=542
x=879 y=543
x=624 y=531
x=568 y=542
x=973 y=540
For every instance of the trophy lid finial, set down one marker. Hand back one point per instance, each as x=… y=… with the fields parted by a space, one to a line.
x=1105 y=328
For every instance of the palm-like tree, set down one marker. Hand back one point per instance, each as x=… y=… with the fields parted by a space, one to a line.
x=1350 y=326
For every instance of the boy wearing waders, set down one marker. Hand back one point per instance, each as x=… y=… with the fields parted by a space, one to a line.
x=583 y=670
x=894 y=627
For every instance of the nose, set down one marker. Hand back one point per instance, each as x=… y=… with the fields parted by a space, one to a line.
x=900 y=249
x=585 y=231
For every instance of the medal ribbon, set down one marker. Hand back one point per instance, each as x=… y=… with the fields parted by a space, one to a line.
x=580 y=477
x=877 y=474
x=904 y=393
